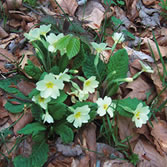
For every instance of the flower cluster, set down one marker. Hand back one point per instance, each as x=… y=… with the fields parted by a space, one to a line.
x=49 y=88
x=34 y=34
x=89 y=86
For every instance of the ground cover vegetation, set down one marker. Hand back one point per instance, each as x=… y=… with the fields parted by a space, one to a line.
x=83 y=83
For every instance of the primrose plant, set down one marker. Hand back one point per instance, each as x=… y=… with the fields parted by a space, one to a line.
x=69 y=75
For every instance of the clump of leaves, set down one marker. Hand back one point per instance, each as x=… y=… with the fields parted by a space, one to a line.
x=69 y=73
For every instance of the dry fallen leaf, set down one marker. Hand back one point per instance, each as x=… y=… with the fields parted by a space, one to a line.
x=117 y=163
x=148 y=155
x=3 y=33
x=138 y=88
x=68 y=6
x=163 y=49
x=132 y=9
x=149 y=2
x=159 y=132
x=158 y=83
x=25 y=87
x=13 y=4
x=89 y=137
x=127 y=128
x=93 y=12
x=27 y=118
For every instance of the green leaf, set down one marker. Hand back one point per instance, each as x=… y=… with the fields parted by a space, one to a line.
x=7 y=84
x=130 y=103
x=37 y=158
x=89 y=69
x=120 y=2
x=118 y=65
x=65 y=132
x=32 y=128
x=36 y=111
x=73 y=47
x=39 y=154
x=63 y=63
x=62 y=43
x=80 y=58
x=128 y=34
x=55 y=70
x=14 y=108
x=57 y=110
x=116 y=21
x=33 y=70
x=21 y=161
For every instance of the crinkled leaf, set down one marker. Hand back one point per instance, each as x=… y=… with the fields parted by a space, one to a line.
x=89 y=68
x=57 y=110
x=118 y=65
x=62 y=43
x=32 y=128
x=33 y=70
x=80 y=58
x=73 y=47
x=37 y=158
x=36 y=112
x=65 y=132
x=14 y=108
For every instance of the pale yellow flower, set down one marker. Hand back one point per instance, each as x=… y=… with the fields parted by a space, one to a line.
x=118 y=37
x=90 y=84
x=41 y=101
x=49 y=86
x=105 y=106
x=80 y=115
x=140 y=115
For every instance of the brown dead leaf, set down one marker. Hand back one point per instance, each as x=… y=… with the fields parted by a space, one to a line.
x=163 y=50
x=61 y=161
x=6 y=58
x=149 y=2
x=14 y=23
x=117 y=163
x=27 y=118
x=13 y=4
x=139 y=89
x=132 y=9
x=158 y=83
x=92 y=12
x=3 y=33
x=25 y=87
x=5 y=42
x=159 y=132
x=84 y=161
x=68 y=6
x=122 y=16
x=148 y=155
x=89 y=139
x=127 y=128
x=144 y=130
x=18 y=15
x=106 y=150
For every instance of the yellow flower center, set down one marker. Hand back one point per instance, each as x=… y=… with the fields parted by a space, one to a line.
x=87 y=83
x=77 y=115
x=49 y=85
x=41 y=99
x=105 y=106
x=138 y=115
